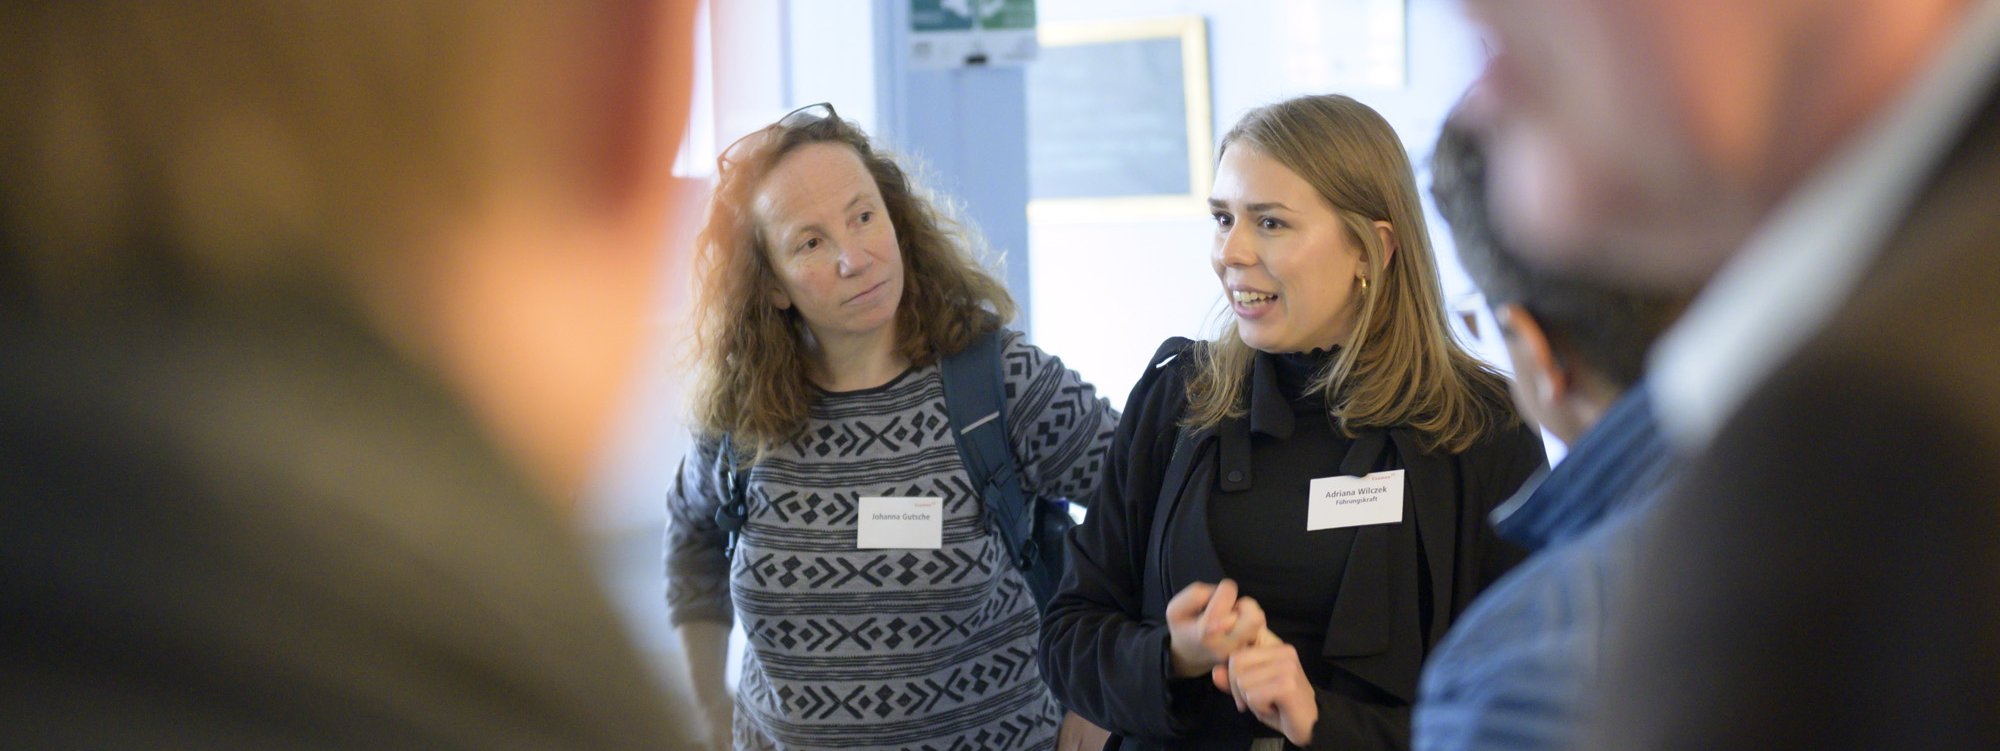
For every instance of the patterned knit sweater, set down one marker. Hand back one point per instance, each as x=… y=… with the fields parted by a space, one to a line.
x=890 y=648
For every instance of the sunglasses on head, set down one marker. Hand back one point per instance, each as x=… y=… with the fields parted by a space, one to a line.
x=808 y=114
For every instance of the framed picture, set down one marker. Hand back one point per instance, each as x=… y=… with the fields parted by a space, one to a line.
x=1119 y=123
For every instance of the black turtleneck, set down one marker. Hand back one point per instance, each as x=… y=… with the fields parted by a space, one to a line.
x=1260 y=534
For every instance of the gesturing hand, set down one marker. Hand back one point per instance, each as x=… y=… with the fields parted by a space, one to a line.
x=1205 y=626
x=1267 y=680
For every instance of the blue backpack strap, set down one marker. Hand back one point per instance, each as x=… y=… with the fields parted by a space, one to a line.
x=734 y=510
x=975 y=399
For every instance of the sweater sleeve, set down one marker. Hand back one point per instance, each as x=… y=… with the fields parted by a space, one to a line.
x=1102 y=656
x=697 y=570
x=1059 y=427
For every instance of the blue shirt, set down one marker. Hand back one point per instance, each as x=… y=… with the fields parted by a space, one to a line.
x=1514 y=672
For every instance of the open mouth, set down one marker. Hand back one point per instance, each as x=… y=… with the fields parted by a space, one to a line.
x=1246 y=299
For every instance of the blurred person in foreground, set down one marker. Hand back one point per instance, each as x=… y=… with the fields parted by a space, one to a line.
x=312 y=312
x=1825 y=574
x=1519 y=668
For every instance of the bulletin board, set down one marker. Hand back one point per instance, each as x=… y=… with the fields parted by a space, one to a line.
x=1119 y=120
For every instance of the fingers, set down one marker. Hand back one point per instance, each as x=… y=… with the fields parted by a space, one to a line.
x=1224 y=598
x=1247 y=669
x=1189 y=603
x=1208 y=623
x=1093 y=738
x=1269 y=682
x=719 y=727
x=1297 y=712
x=1066 y=739
x=1267 y=639
x=1186 y=626
x=1249 y=626
x=1238 y=627
x=1258 y=665
x=1078 y=734
x=1246 y=673
x=1230 y=686
x=1220 y=615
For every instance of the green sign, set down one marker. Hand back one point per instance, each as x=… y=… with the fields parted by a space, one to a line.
x=995 y=15
x=963 y=15
x=950 y=33
x=940 y=15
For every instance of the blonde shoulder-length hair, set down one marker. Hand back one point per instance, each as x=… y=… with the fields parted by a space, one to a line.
x=1400 y=365
x=750 y=357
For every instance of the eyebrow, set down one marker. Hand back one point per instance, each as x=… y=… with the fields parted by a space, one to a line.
x=793 y=232
x=1255 y=207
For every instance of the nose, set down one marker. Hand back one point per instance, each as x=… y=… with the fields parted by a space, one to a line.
x=854 y=259
x=1232 y=250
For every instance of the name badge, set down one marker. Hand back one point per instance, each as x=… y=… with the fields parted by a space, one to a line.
x=1355 y=501
x=901 y=523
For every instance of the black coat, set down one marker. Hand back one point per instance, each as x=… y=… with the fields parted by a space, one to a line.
x=1104 y=642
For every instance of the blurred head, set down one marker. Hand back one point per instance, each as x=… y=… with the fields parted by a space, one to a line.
x=1646 y=138
x=1576 y=344
x=488 y=180
x=1312 y=196
x=812 y=235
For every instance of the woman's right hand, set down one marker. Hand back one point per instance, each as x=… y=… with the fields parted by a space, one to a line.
x=1205 y=625
x=720 y=717
x=706 y=647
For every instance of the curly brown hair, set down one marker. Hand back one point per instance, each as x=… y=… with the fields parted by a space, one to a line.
x=750 y=356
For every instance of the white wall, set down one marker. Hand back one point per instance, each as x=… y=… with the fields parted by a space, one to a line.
x=1107 y=292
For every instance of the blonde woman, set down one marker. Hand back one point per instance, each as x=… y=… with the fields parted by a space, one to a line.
x=829 y=290
x=1296 y=510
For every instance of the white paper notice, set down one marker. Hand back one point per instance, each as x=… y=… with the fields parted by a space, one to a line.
x=1354 y=501
x=901 y=523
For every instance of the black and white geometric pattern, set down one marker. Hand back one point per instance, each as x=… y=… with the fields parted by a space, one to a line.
x=890 y=649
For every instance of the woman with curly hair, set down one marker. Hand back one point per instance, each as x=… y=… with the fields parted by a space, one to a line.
x=829 y=290
x=1296 y=510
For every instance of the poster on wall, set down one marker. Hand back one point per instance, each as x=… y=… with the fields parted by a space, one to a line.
x=1118 y=120
x=954 y=33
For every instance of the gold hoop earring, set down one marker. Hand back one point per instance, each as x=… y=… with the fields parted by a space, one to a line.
x=1364 y=284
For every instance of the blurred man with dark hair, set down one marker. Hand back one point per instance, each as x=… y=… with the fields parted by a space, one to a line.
x=311 y=314
x=1517 y=671
x=1827 y=572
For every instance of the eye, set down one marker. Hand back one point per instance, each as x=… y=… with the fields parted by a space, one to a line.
x=811 y=243
x=866 y=217
x=1223 y=219
x=1270 y=223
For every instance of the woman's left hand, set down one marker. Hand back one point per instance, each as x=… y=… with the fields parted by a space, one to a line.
x=1078 y=734
x=1267 y=680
